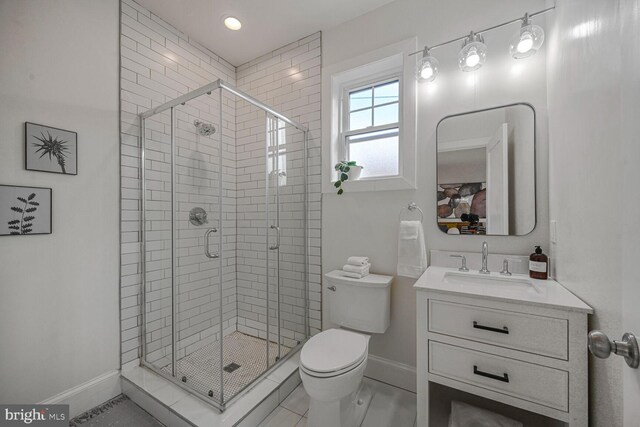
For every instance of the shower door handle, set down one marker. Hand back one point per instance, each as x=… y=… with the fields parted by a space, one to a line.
x=277 y=245
x=206 y=244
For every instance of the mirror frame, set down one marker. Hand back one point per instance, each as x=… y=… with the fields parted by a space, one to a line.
x=535 y=166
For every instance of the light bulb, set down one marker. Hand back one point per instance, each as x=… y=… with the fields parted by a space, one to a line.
x=427 y=68
x=426 y=72
x=473 y=53
x=527 y=40
x=472 y=59
x=526 y=43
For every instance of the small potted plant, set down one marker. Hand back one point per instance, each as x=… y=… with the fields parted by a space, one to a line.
x=346 y=170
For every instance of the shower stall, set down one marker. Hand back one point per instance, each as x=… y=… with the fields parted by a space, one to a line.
x=224 y=240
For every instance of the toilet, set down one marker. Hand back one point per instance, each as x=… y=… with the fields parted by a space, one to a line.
x=332 y=363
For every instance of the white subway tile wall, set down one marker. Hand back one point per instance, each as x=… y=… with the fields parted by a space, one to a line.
x=288 y=80
x=159 y=63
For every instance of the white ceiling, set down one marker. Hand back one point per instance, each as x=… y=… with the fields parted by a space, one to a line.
x=266 y=24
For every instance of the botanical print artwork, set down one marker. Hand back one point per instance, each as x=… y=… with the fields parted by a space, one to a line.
x=24 y=210
x=49 y=149
x=52 y=146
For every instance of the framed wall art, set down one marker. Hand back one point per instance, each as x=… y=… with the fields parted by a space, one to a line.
x=49 y=149
x=25 y=210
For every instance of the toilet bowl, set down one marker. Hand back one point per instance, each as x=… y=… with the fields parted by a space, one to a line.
x=332 y=363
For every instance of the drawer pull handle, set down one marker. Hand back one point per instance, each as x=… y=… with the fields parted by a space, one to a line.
x=504 y=378
x=504 y=329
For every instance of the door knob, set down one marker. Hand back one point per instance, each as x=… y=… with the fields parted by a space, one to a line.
x=601 y=346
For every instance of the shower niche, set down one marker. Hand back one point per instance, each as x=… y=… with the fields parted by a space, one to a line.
x=224 y=244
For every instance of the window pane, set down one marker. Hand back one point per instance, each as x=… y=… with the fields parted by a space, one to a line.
x=379 y=157
x=385 y=115
x=360 y=119
x=386 y=93
x=360 y=99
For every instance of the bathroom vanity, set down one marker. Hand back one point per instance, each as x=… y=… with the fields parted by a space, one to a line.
x=506 y=338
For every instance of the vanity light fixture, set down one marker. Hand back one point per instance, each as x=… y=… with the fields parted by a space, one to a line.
x=232 y=23
x=473 y=53
x=427 y=67
x=527 y=40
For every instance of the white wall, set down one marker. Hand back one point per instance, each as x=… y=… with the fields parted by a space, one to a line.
x=593 y=130
x=59 y=292
x=366 y=223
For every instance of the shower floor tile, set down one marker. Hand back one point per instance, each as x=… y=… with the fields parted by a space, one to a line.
x=202 y=367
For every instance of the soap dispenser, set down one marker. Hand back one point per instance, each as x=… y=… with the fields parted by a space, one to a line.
x=538 y=265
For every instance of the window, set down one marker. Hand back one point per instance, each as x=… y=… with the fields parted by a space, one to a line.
x=277 y=151
x=371 y=124
x=370 y=118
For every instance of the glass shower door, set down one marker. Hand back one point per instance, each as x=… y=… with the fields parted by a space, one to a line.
x=287 y=250
x=199 y=254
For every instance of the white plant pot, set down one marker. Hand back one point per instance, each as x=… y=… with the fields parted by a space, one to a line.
x=354 y=173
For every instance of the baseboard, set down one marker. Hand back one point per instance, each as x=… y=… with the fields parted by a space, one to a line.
x=388 y=371
x=88 y=395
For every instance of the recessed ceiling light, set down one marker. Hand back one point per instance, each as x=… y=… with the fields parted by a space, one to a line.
x=232 y=23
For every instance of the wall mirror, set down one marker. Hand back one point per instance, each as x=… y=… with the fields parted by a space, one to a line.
x=486 y=172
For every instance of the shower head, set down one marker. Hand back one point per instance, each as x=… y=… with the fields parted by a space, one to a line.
x=204 y=129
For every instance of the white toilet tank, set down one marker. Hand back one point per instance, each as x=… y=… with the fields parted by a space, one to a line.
x=360 y=304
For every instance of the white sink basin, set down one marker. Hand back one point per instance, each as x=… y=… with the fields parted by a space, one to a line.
x=482 y=279
x=506 y=284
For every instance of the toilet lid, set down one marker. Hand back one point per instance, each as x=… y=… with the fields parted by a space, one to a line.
x=333 y=350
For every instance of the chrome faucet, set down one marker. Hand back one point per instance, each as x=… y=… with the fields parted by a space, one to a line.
x=485 y=255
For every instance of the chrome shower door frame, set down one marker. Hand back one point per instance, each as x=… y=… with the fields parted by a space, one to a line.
x=208 y=89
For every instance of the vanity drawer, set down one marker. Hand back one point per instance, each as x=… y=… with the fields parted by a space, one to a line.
x=542 y=335
x=527 y=381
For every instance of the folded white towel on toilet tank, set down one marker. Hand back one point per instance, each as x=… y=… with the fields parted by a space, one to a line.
x=362 y=269
x=354 y=275
x=358 y=260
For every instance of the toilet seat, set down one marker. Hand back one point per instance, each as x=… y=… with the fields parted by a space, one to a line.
x=333 y=352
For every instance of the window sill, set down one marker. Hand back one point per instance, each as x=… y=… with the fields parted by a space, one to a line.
x=372 y=184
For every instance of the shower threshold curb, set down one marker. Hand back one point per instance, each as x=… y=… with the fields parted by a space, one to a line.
x=175 y=407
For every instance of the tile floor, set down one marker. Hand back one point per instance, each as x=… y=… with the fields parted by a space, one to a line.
x=390 y=407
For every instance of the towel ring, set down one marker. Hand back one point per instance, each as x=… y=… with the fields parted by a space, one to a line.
x=412 y=207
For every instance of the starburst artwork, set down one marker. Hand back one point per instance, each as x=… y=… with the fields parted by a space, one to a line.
x=49 y=149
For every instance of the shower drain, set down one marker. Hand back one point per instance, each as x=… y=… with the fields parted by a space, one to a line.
x=231 y=367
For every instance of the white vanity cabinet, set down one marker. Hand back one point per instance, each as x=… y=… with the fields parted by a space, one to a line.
x=514 y=340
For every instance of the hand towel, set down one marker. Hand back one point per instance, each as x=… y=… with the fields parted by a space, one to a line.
x=358 y=260
x=412 y=253
x=354 y=275
x=409 y=230
x=363 y=269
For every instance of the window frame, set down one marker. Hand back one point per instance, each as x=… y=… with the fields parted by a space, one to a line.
x=372 y=83
x=392 y=62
